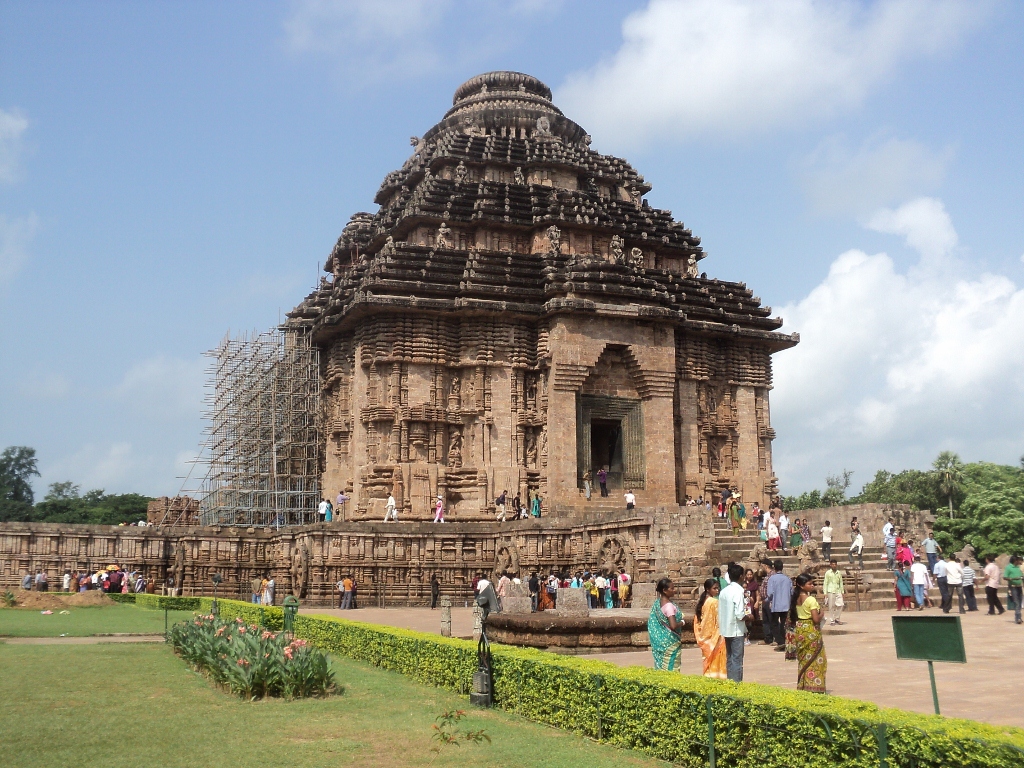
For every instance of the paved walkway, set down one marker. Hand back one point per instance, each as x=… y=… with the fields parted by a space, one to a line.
x=93 y=640
x=862 y=661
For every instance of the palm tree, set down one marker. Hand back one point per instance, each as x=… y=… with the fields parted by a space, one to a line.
x=950 y=472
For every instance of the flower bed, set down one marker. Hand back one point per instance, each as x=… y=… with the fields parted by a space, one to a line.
x=250 y=661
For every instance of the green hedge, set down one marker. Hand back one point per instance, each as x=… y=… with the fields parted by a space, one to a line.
x=662 y=713
x=122 y=597
x=166 y=602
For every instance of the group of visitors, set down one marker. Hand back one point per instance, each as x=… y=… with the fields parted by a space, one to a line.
x=346 y=587
x=329 y=512
x=792 y=618
x=604 y=589
x=110 y=579
x=520 y=509
x=602 y=481
x=262 y=589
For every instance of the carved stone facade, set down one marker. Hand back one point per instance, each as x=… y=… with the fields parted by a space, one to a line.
x=515 y=315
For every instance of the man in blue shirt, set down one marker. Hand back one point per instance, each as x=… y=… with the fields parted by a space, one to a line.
x=732 y=622
x=780 y=591
x=889 y=540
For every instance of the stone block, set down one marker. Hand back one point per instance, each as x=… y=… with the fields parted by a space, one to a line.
x=572 y=602
x=643 y=596
x=517 y=604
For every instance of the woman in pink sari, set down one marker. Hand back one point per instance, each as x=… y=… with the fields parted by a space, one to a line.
x=904 y=552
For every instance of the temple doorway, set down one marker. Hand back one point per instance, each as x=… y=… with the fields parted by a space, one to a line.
x=606 y=449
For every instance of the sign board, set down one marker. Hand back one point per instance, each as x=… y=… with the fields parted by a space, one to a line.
x=929 y=638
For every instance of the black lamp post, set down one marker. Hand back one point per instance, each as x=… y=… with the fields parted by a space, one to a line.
x=217 y=579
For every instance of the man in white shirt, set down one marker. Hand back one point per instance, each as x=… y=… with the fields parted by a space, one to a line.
x=784 y=531
x=391 y=509
x=322 y=510
x=939 y=572
x=954 y=583
x=630 y=500
x=732 y=622
x=919 y=578
x=857 y=548
x=502 y=590
x=826 y=541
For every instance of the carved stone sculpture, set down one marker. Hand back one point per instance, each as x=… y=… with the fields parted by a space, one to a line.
x=443 y=239
x=691 y=266
x=543 y=126
x=517 y=177
x=616 y=249
x=636 y=258
x=460 y=172
x=554 y=235
x=455 y=448
x=531 y=450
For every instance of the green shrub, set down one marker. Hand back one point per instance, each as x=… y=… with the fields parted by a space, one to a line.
x=122 y=597
x=665 y=714
x=266 y=616
x=251 y=661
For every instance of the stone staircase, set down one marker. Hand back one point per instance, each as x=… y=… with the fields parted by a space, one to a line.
x=875 y=594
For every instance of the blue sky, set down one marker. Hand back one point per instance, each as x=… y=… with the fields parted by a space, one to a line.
x=170 y=172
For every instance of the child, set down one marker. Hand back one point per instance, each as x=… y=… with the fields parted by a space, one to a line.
x=748 y=610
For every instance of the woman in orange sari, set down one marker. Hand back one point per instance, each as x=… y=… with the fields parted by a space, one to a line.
x=705 y=629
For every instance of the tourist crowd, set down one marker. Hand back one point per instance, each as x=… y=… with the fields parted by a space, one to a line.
x=109 y=579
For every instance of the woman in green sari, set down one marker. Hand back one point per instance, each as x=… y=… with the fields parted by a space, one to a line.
x=665 y=626
x=796 y=537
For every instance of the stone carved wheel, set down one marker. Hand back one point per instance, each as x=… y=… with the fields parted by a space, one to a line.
x=506 y=558
x=615 y=553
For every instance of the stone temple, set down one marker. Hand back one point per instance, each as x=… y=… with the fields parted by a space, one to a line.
x=516 y=314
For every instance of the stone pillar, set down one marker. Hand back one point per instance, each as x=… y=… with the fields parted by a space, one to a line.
x=446 y=616
x=478 y=622
x=659 y=449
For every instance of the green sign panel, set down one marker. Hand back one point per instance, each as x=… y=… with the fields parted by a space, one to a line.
x=929 y=638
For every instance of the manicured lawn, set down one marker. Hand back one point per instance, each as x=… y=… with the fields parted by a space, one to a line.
x=81 y=622
x=139 y=705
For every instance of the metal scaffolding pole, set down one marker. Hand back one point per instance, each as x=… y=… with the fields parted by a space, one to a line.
x=263 y=433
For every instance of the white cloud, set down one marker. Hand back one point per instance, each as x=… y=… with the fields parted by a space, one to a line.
x=13 y=125
x=96 y=466
x=169 y=386
x=894 y=367
x=374 y=40
x=882 y=170
x=690 y=67
x=377 y=38
x=923 y=222
x=15 y=236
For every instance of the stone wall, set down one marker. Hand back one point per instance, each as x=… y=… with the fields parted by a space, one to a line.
x=392 y=562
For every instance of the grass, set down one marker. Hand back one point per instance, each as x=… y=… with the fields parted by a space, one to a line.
x=82 y=622
x=163 y=714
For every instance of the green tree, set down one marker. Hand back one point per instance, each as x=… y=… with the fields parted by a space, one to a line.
x=950 y=473
x=18 y=466
x=835 y=488
x=911 y=486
